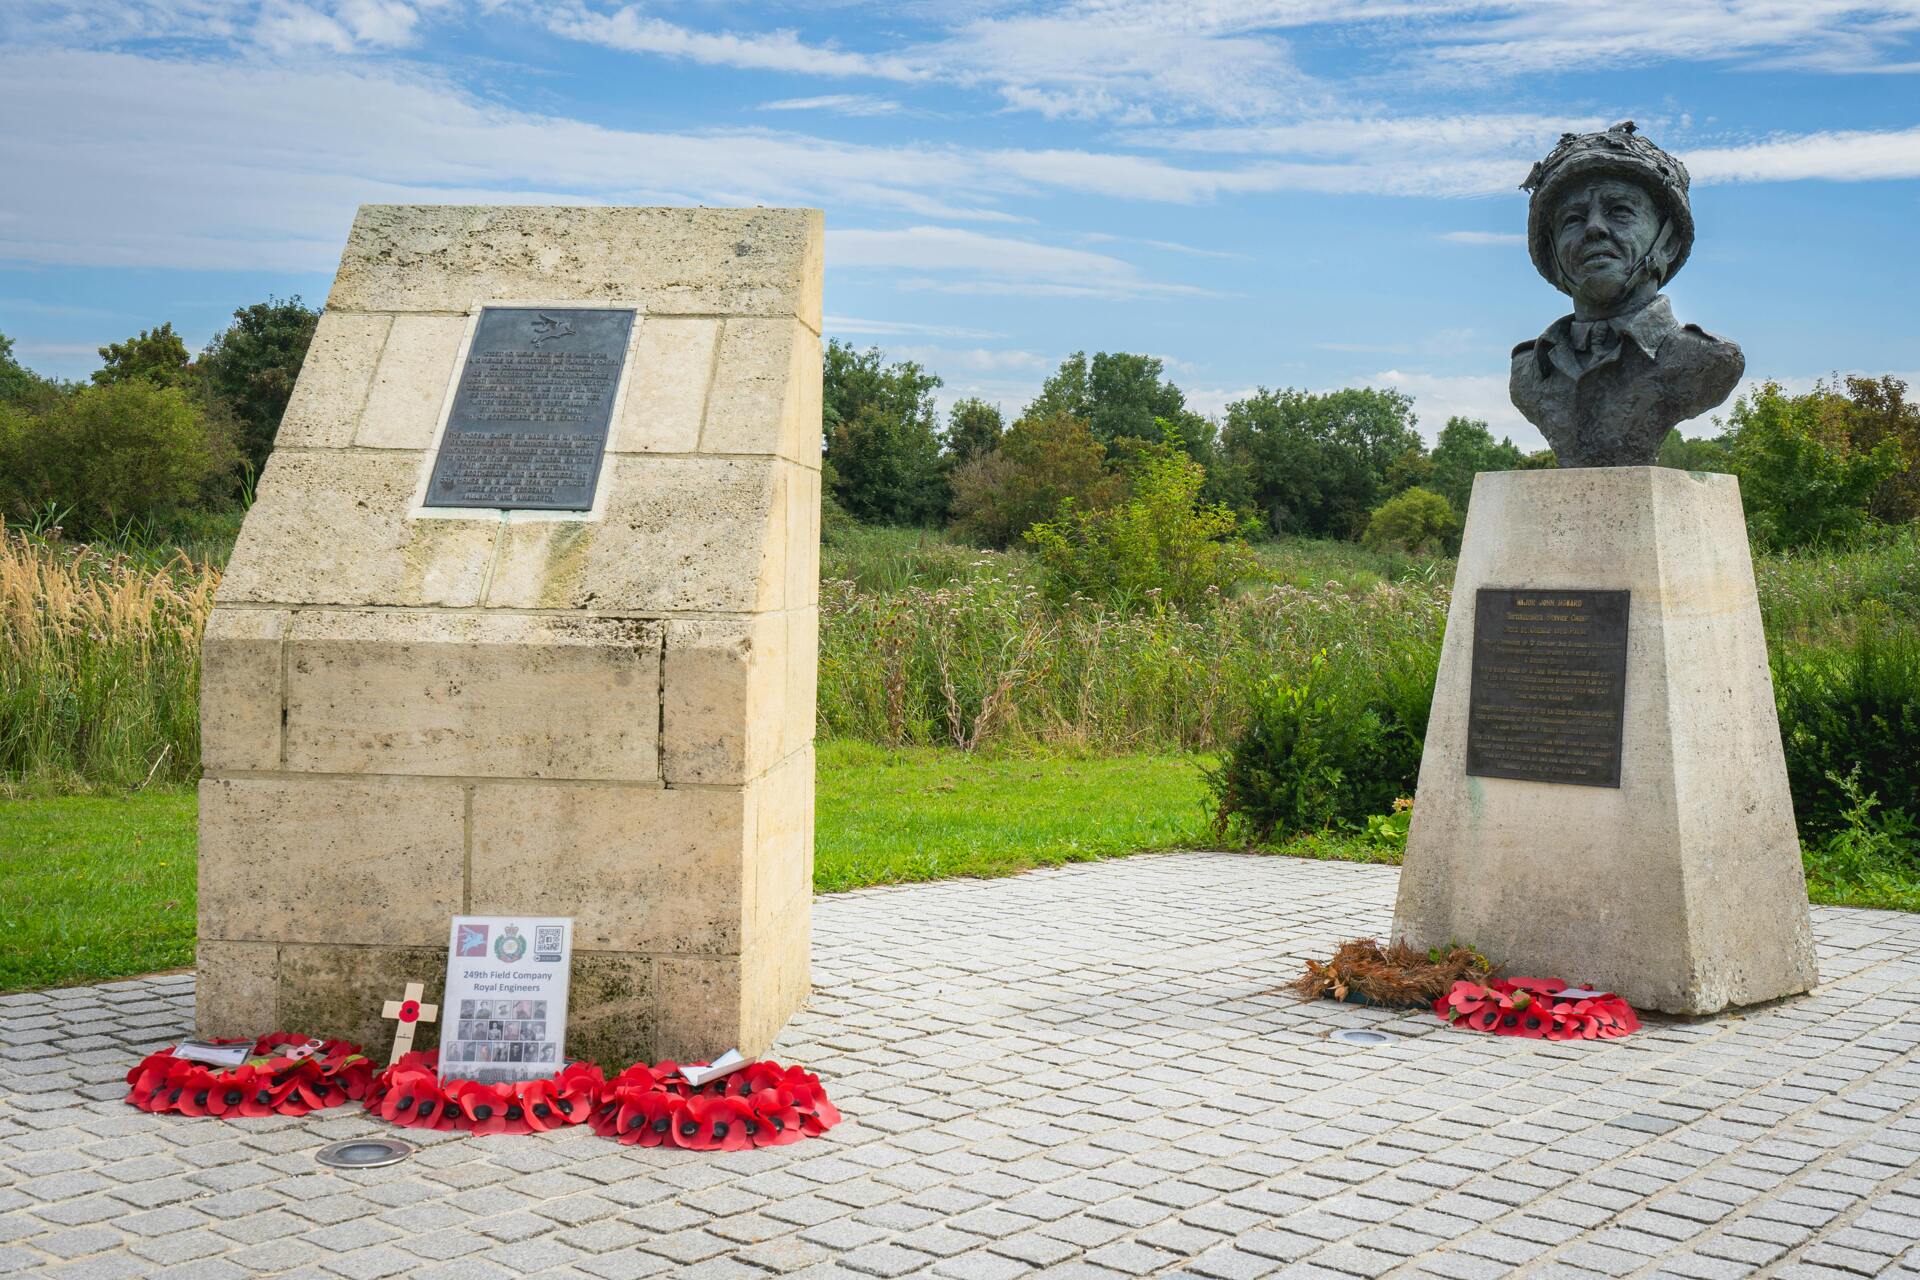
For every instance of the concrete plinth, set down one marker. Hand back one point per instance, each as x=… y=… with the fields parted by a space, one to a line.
x=1682 y=889
x=413 y=712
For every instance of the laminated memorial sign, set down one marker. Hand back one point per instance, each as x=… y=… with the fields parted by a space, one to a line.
x=504 y=1018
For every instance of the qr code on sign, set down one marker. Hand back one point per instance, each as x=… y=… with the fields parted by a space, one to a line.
x=546 y=939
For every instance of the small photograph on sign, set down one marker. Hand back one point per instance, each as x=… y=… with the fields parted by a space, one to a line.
x=507 y=984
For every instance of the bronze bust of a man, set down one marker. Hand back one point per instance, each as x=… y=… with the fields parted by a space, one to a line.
x=1608 y=224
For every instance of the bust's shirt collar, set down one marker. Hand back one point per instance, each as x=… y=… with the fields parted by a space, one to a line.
x=1648 y=328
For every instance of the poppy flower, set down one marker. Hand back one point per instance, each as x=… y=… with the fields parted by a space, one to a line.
x=260 y=1093
x=413 y=1099
x=775 y=1122
x=708 y=1123
x=574 y=1090
x=486 y=1107
x=196 y=1094
x=647 y=1119
x=537 y=1100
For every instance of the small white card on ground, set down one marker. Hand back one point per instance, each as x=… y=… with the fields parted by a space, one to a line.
x=214 y=1055
x=504 y=1015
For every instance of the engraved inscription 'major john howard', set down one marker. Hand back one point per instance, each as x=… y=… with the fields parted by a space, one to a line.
x=1609 y=224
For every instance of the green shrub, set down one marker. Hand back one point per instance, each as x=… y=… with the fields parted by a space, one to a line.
x=111 y=453
x=1850 y=711
x=1803 y=479
x=1331 y=748
x=1161 y=546
x=1416 y=520
x=1038 y=465
x=1870 y=859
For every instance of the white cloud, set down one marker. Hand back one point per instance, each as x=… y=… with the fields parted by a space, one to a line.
x=903 y=328
x=281 y=26
x=1437 y=397
x=1519 y=38
x=1484 y=237
x=1100 y=59
x=244 y=166
x=990 y=265
x=1844 y=156
x=840 y=104
x=631 y=30
x=971 y=360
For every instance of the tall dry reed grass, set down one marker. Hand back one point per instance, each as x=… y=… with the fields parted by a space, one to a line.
x=99 y=664
x=922 y=642
x=987 y=658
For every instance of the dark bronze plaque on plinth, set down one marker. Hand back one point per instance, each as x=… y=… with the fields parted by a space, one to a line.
x=1549 y=685
x=530 y=416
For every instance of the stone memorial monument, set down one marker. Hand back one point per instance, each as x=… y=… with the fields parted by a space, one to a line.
x=524 y=621
x=1603 y=797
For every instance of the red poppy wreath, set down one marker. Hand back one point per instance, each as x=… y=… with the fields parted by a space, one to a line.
x=1536 y=1008
x=411 y=1093
x=761 y=1105
x=271 y=1082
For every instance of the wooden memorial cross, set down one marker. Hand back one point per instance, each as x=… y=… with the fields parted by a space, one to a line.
x=409 y=1011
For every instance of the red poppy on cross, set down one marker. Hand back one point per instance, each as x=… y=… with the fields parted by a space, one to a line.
x=410 y=1013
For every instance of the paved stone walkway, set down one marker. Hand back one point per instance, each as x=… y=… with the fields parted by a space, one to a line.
x=1085 y=1072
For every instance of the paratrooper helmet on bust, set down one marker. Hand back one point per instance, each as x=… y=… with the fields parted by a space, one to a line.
x=1623 y=152
x=1608 y=224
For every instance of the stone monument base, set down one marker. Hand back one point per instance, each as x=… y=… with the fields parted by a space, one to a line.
x=1681 y=889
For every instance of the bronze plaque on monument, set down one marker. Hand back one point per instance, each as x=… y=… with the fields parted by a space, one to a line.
x=1549 y=685
x=530 y=416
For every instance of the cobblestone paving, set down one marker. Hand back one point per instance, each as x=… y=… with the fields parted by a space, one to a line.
x=1084 y=1072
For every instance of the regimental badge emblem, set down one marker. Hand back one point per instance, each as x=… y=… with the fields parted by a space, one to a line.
x=510 y=946
x=472 y=941
x=546 y=328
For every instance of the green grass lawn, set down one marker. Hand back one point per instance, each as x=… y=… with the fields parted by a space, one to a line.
x=100 y=887
x=95 y=887
x=889 y=816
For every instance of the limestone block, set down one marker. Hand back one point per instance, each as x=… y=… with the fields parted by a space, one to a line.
x=779 y=871
x=679 y=534
x=803 y=679
x=707 y=1005
x=332 y=528
x=410 y=385
x=613 y=1010
x=803 y=538
x=341 y=860
x=473 y=695
x=325 y=405
x=748 y=262
x=332 y=990
x=1682 y=889
x=697 y=1002
x=766 y=392
x=240 y=689
x=667 y=393
x=236 y=988
x=724 y=706
x=638 y=868
x=776 y=975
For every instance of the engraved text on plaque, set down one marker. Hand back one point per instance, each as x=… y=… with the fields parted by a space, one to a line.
x=1549 y=685
x=530 y=416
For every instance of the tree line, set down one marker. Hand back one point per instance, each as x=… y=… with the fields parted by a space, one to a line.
x=1324 y=465
x=1816 y=468
x=158 y=430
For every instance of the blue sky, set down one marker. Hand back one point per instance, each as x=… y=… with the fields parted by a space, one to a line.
x=1309 y=193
